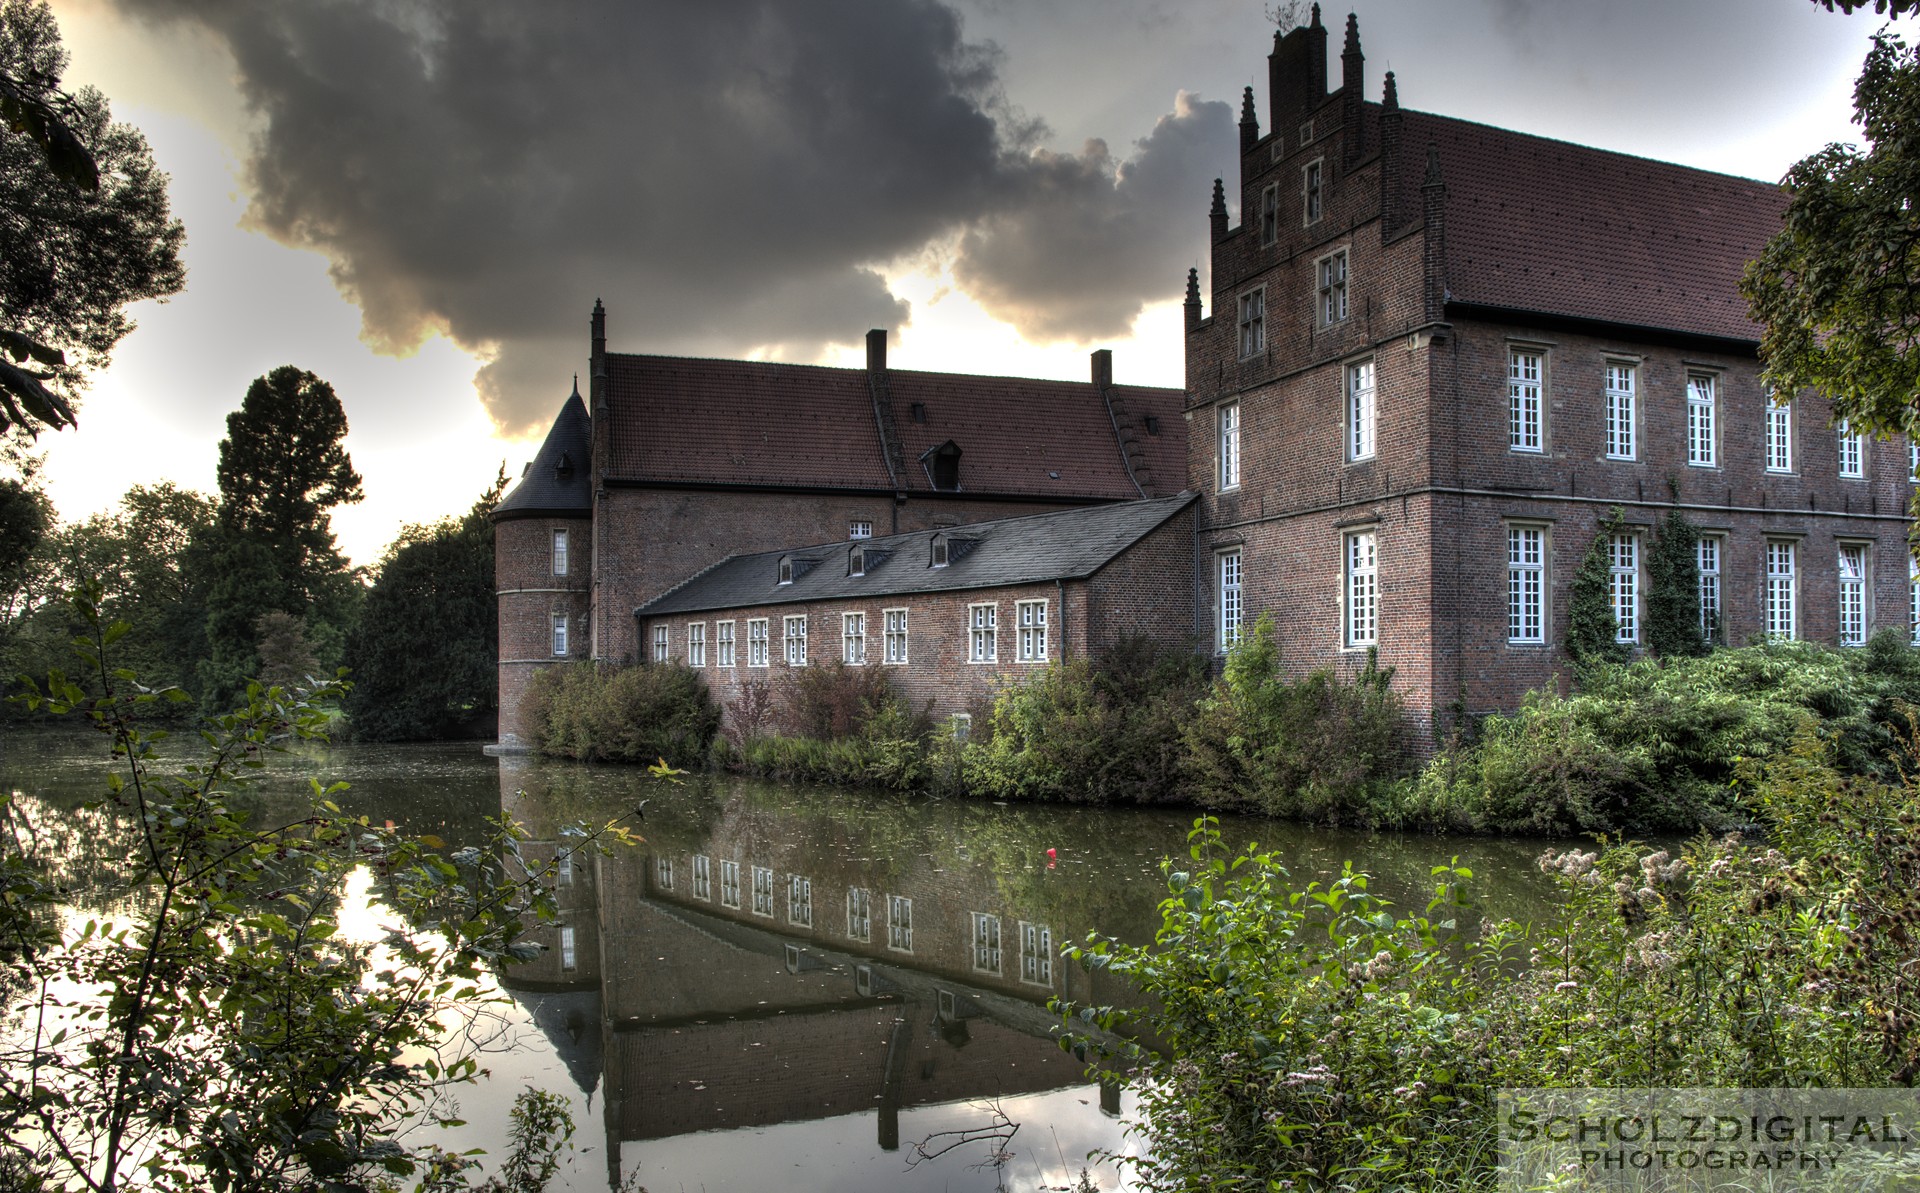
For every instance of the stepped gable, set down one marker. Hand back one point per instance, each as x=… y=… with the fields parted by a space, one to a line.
x=559 y=481
x=1546 y=226
x=1067 y=545
x=699 y=421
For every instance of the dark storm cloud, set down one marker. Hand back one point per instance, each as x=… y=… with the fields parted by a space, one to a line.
x=1091 y=236
x=726 y=174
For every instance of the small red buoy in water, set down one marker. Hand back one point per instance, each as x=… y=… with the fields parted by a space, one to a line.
x=1053 y=856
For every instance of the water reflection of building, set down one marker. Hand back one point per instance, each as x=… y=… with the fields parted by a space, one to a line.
x=748 y=973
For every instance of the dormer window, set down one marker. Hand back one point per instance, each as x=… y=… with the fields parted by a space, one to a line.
x=940 y=551
x=786 y=569
x=563 y=468
x=857 y=562
x=943 y=465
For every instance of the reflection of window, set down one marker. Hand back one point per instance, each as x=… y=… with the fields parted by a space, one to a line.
x=800 y=901
x=702 y=877
x=567 y=958
x=762 y=891
x=859 y=913
x=900 y=923
x=730 y=885
x=986 y=942
x=563 y=867
x=962 y=726
x=559 y=635
x=1036 y=954
x=663 y=873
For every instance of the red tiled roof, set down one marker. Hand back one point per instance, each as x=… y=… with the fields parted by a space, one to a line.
x=677 y=419
x=1539 y=225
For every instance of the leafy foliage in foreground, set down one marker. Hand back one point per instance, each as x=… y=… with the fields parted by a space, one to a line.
x=225 y=1031
x=1317 y=1035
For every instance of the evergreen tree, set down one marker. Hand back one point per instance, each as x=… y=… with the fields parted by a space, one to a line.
x=1673 y=597
x=424 y=654
x=282 y=467
x=1592 y=631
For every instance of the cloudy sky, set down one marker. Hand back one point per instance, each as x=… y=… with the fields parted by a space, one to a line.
x=420 y=200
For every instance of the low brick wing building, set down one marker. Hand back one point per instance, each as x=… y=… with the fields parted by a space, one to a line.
x=951 y=614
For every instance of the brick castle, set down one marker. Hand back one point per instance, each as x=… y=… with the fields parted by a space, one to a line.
x=1437 y=355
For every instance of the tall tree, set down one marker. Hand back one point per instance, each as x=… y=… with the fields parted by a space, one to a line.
x=1838 y=290
x=424 y=655
x=282 y=467
x=84 y=225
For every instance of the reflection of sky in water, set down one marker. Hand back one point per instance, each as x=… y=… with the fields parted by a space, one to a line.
x=665 y=979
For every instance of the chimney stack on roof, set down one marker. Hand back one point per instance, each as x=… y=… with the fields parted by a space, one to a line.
x=1353 y=116
x=1297 y=72
x=877 y=350
x=1103 y=368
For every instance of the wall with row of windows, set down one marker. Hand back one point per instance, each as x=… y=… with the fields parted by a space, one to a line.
x=764 y=894
x=856 y=637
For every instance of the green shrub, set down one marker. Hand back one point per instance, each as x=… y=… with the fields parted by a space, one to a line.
x=1592 y=631
x=839 y=724
x=1082 y=732
x=593 y=712
x=1320 y=748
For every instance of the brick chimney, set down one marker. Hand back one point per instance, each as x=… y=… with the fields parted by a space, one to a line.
x=877 y=350
x=1103 y=368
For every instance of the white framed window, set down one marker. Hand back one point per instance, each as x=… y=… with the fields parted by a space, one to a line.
x=1333 y=288
x=857 y=562
x=702 y=877
x=1779 y=436
x=1622 y=400
x=1227 y=621
x=559 y=635
x=1913 y=463
x=662 y=647
x=1036 y=953
x=730 y=884
x=762 y=890
x=1913 y=599
x=1782 y=595
x=1853 y=451
x=1311 y=194
x=1227 y=422
x=853 y=638
x=1363 y=590
x=1253 y=322
x=941 y=554
x=859 y=530
x=961 y=724
x=723 y=644
x=800 y=901
x=1360 y=410
x=1526 y=584
x=563 y=868
x=757 y=642
x=900 y=923
x=559 y=552
x=1030 y=621
x=786 y=571
x=663 y=873
x=982 y=646
x=986 y=942
x=1623 y=573
x=793 y=636
x=894 y=633
x=569 y=955
x=1707 y=556
x=859 y=913
x=1270 y=214
x=1701 y=417
x=696 y=644
x=1525 y=429
x=1854 y=589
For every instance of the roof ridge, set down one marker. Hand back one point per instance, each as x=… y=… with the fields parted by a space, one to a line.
x=860 y=371
x=1619 y=153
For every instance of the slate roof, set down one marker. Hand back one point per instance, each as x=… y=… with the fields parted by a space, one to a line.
x=1546 y=226
x=690 y=420
x=558 y=480
x=1067 y=545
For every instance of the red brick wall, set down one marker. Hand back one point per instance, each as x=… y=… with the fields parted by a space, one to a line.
x=530 y=595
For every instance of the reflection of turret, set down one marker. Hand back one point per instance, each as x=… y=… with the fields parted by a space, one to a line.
x=571 y=1022
x=570 y=959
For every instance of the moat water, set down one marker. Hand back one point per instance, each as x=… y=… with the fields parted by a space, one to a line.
x=791 y=987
